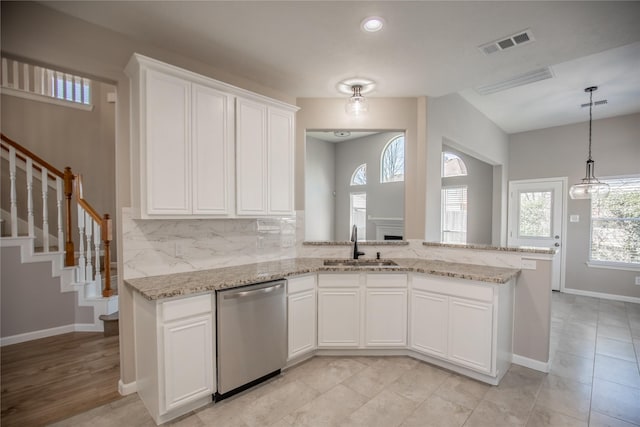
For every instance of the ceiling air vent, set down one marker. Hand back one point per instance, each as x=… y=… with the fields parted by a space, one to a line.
x=519 y=80
x=517 y=39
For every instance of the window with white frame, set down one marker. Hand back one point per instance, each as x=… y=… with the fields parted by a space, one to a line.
x=454 y=214
x=358 y=208
x=359 y=176
x=44 y=84
x=615 y=224
x=392 y=161
x=452 y=165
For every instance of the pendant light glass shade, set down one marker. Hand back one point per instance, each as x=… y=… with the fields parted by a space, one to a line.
x=356 y=104
x=590 y=187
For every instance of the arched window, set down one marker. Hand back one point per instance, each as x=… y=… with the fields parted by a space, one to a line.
x=452 y=165
x=392 y=161
x=359 y=176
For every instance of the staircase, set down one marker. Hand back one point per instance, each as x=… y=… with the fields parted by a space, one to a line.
x=85 y=271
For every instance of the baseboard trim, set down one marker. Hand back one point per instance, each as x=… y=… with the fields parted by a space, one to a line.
x=602 y=295
x=128 y=388
x=530 y=363
x=44 y=333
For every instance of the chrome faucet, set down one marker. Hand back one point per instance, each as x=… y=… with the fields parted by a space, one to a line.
x=354 y=239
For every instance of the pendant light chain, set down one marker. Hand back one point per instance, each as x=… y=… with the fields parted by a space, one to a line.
x=590 y=118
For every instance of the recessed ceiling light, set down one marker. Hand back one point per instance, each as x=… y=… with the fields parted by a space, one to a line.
x=372 y=24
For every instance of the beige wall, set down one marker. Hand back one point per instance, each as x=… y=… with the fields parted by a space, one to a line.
x=453 y=121
x=31 y=298
x=37 y=33
x=405 y=114
x=561 y=151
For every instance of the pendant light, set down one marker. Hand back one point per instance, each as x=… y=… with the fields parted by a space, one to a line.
x=357 y=104
x=590 y=187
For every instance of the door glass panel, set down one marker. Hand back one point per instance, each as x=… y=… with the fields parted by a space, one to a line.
x=534 y=218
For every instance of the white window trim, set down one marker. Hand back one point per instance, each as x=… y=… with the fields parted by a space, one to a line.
x=609 y=265
x=44 y=98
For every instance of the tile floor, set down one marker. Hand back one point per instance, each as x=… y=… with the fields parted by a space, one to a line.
x=594 y=380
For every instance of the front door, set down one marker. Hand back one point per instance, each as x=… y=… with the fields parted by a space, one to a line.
x=536 y=218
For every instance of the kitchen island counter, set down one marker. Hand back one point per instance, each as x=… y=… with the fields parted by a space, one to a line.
x=182 y=284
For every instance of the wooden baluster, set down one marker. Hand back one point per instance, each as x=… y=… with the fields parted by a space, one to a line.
x=97 y=241
x=30 y=217
x=45 y=210
x=5 y=72
x=25 y=76
x=106 y=238
x=69 y=255
x=13 y=198
x=59 y=185
x=82 y=264
x=89 y=233
x=15 y=78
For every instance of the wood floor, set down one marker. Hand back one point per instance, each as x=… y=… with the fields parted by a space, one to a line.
x=53 y=378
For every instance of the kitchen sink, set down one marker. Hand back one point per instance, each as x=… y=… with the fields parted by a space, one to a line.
x=359 y=263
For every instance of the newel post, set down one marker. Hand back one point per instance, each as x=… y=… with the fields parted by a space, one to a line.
x=106 y=238
x=69 y=251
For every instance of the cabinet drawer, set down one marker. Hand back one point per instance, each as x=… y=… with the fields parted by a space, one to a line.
x=386 y=280
x=339 y=280
x=186 y=307
x=455 y=287
x=300 y=284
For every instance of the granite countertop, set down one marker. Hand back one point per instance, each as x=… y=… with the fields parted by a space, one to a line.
x=524 y=249
x=171 y=285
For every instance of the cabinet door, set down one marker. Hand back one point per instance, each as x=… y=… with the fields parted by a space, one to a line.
x=428 y=325
x=470 y=333
x=338 y=317
x=188 y=360
x=280 y=164
x=386 y=317
x=211 y=150
x=301 y=323
x=251 y=157
x=168 y=158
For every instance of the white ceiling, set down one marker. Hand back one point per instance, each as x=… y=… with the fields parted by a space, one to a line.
x=304 y=48
x=330 y=136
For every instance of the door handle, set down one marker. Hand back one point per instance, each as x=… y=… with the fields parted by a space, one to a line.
x=253 y=292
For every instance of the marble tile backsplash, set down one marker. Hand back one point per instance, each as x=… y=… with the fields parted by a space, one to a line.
x=156 y=247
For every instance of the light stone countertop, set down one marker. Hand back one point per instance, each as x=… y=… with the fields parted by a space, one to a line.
x=523 y=249
x=172 y=285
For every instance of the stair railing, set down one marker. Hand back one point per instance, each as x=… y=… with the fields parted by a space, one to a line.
x=94 y=230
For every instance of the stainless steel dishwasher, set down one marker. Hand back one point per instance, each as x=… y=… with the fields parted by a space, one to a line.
x=251 y=335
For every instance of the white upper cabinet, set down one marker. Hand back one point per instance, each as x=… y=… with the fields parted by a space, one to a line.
x=186 y=137
x=264 y=159
x=167 y=148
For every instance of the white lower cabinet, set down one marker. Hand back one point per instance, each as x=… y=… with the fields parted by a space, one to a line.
x=302 y=315
x=362 y=310
x=386 y=310
x=338 y=317
x=470 y=333
x=175 y=354
x=429 y=323
x=463 y=322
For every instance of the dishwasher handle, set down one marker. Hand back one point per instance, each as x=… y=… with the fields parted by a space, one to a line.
x=244 y=294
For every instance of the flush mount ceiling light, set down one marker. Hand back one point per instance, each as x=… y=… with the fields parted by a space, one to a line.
x=341 y=133
x=590 y=187
x=357 y=104
x=372 y=24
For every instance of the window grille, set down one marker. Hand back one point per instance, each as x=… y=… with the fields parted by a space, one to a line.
x=615 y=224
x=20 y=78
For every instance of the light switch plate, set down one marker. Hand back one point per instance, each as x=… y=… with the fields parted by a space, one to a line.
x=529 y=264
x=574 y=218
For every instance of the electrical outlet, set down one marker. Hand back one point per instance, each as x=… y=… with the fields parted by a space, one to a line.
x=637 y=280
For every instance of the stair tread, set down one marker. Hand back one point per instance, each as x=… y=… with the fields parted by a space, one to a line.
x=109 y=317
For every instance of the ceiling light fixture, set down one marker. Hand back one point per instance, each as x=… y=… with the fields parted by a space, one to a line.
x=341 y=133
x=357 y=104
x=590 y=187
x=372 y=24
